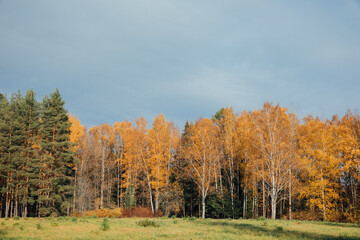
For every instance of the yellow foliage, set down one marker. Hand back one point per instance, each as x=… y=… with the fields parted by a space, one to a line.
x=77 y=132
x=105 y=212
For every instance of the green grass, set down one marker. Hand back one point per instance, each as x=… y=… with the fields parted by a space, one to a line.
x=170 y=228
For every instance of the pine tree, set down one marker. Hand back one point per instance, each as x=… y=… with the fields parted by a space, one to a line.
x=4 y=153
x=30 y=115
x=15 y=163
x=57 y=160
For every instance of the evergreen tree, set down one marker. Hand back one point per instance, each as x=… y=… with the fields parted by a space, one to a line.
x=30 y=115
x=14 y=162
x=57 y=160
x=4 y=153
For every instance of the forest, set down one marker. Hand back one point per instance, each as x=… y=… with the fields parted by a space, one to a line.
x=263 y=163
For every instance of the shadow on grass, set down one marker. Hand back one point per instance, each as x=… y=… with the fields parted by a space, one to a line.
x=336 y=224
x=278 y=232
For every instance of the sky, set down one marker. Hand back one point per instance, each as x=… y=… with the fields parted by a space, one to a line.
x=118 y=60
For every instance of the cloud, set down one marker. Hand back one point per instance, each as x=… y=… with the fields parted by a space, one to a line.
x=118 y=60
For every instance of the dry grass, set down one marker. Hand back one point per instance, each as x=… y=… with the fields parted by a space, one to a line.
x=167 y=228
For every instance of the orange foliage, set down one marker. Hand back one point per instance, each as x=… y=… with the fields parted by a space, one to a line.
x=141 y=212
x=105 y=212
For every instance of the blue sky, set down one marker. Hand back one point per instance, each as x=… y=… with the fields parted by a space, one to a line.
x=118 y=60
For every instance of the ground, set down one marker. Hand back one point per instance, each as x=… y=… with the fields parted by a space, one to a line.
x=173 y=228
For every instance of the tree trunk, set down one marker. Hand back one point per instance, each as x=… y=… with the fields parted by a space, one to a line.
x=290 y=197
x=75 y=184
x=199 y=206
x=191 y=207
x=157 y=200
x=323 y=197
x=253 y=205
x=118 y=185
x=7 y=205
x=203 y=207
x=264 y=199
x=16 y=207
x=102 y=179
x=151 y=198
x=244 y=204
x=273 y=206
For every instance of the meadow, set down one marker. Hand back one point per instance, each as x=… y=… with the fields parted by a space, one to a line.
x=172 y=228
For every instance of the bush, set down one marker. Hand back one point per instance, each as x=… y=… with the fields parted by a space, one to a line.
x=54 y=224
x=148 y=223
x=192 y=219
x=38 y=226
x=74 y=219
x=105 y=212
x=16 y=218
x=261 y=219
x=104 y=226
x=279 y=228
x=141 y=212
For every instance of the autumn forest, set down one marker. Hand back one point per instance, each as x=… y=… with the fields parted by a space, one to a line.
x=261 y=163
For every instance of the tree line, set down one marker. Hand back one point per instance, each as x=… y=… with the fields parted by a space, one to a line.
x=36 y=163
x=264 y=163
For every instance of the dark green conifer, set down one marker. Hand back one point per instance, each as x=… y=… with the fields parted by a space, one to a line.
x=57 y=159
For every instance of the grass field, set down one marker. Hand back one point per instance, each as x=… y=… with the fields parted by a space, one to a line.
x=171 y=228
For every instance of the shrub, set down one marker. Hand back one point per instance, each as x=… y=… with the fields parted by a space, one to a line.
x=2 y=223
x=261 y=219
x=192 y=219
x=279 y=228
x=104 y=226
x=16 y=218
x=38 y=226
x=175 y=221
x=105 y=212
x=16 y=224
x=54 y=224
x=141 y=212
x=21 y=227
x=148 y=223
x=74 y=219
